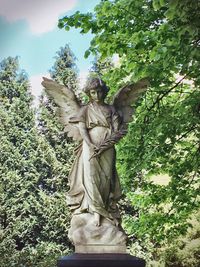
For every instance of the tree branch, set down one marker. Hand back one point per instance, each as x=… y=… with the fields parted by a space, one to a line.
x=160 y=97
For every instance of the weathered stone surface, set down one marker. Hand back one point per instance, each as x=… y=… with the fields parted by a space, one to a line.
x=94 y=183
x=88 y=238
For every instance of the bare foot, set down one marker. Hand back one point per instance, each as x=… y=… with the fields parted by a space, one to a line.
x=97 y=219
x=116 y=223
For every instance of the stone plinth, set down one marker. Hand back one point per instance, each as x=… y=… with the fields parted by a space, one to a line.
x=88 y=238
x=100 y=260
x=100 y=249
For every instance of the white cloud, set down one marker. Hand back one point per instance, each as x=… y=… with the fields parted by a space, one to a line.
x=36 y=87
x=41 y=15
x=82 y=78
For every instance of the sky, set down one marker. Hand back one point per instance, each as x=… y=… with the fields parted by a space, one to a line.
x=28 y=29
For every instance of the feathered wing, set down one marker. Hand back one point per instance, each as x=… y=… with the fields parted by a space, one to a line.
x=126 y=97
x=68 y=105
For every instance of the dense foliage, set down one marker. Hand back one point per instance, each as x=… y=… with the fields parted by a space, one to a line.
x=185 y=250
x=155 y=38
x=64 y=71
x=158 y=39
x=33 y=217
x=152 y=38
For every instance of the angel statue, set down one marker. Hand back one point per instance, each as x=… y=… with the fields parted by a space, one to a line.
x=94 y=183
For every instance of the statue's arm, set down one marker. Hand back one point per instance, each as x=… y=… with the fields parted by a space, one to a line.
x=84 y=133
x=116 y=135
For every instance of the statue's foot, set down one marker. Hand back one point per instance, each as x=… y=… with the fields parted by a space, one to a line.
x=115 y=221
x=97 y=219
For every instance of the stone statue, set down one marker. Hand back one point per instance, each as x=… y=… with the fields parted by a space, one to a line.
x=94 y=183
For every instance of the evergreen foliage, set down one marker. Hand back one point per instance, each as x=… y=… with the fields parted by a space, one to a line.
x=63 y=71
x=155 y=38
x=100 y=67
x=33 y=218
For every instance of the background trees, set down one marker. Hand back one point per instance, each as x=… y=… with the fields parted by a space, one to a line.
x=160 y=40
x=65 y=72
x=34 y=217
x=155 y=38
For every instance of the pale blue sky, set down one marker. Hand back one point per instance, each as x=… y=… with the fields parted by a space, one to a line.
x=28 y=29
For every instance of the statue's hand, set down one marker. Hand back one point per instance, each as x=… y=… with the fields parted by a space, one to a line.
x=97 y=152
x=94 y=151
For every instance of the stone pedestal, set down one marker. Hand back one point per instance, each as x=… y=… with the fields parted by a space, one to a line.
x=100 y=260
x=88 y=238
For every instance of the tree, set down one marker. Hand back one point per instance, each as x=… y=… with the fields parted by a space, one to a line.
x=64 y=71
x=158 y=39
x=185 y=250
x=152 y=38
x=101 y=67
x=51 y=130
x=32 y=221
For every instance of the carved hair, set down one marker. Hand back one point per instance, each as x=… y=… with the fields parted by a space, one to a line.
x=94 y=84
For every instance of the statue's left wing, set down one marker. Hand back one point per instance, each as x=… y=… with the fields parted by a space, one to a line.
x=67 y=105
x=126 y=97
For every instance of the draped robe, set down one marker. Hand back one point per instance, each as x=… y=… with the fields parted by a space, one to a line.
x=94 y=183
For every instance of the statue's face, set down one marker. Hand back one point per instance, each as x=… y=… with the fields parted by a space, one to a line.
x=97 y=95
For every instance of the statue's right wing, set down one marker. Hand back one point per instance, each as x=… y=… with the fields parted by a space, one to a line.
x=67 y=103
x=126 y=97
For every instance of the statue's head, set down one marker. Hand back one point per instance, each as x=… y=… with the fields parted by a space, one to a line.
x=96 y=89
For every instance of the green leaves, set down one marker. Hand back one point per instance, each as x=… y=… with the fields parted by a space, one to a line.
x=147 y=33
x=162 y=140
x=158 y=39
x=87 y=53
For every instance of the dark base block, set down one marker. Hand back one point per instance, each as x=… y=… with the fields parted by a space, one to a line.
x=100 y=260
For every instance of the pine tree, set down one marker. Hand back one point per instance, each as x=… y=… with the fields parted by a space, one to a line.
x=64 y=71
x=101 y=67
x=33 y=225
